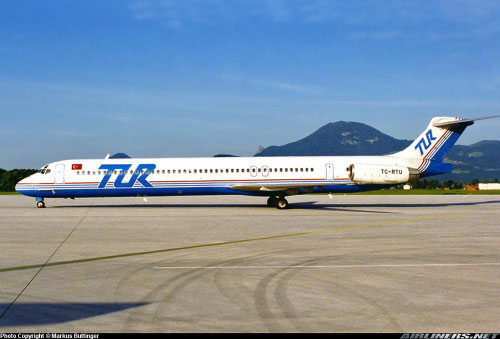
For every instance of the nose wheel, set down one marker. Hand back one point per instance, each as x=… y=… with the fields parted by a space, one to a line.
x=40 y=204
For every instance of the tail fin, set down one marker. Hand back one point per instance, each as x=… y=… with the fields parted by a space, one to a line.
x=427 y=152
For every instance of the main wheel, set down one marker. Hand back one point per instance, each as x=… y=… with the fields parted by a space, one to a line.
x=281 y=203
x=271 y=201
x=40 y=204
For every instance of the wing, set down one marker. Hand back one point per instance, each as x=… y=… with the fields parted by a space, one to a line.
x=288 y=189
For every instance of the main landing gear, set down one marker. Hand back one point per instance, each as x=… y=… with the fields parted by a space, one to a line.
x=278 y=202
x=40 y=203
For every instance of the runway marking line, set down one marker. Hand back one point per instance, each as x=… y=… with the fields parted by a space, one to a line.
x=77 y=261
x=331 y=266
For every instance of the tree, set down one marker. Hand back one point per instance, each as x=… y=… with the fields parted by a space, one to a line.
x=9 y=179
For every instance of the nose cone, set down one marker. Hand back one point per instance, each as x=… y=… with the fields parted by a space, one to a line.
x=21 y=186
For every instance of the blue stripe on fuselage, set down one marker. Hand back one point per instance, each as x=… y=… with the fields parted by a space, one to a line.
x=173 y=191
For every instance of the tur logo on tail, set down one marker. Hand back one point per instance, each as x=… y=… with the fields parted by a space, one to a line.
x=139 y=175
x=426 y=142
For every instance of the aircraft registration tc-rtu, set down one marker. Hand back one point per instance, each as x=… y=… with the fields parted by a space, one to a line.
x=274 y=177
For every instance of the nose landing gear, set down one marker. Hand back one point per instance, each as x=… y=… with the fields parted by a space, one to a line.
x=40 y=203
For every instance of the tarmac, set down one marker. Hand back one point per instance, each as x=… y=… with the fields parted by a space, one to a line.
x=354 y=263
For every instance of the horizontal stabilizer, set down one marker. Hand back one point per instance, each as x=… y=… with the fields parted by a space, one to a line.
x=463 y=122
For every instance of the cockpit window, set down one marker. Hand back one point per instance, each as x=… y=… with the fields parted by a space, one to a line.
x=44 y=170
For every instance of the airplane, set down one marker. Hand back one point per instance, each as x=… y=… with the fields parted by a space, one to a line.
x=274 y=177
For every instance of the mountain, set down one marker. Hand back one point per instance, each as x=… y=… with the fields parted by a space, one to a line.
x=478 y=161
x=340 y=138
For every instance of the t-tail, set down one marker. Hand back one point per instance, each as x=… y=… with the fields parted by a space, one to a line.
x=427 y=152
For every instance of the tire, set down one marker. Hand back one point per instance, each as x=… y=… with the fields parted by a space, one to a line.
x=281 y=203
x=271 y=202
x=40 y=204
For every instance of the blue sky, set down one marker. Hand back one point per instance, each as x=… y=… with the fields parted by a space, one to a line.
x=158 y=78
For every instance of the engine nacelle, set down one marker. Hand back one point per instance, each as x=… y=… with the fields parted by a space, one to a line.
x=380 y=174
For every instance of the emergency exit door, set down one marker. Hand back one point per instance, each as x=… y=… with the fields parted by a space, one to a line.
x=329 y=171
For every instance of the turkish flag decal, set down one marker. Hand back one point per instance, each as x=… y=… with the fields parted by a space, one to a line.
x=76 y=166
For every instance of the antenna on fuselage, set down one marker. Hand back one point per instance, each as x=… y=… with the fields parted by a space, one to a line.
x=107 y=156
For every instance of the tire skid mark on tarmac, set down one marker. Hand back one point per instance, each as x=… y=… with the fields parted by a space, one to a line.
x=173 y=288
x=262 y=302
x=219 y=280
x=150 y=296
x=286 y=305
x=371 y=307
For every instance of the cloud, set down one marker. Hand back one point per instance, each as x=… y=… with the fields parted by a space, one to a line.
x=380 y=20
x=176 y=14
x=281 y=85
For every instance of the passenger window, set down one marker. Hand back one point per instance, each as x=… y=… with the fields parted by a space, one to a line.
x=77 y=172
x=312 y=169
x=286 y=169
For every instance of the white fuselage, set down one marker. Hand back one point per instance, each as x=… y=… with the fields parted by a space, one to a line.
x=173 y=176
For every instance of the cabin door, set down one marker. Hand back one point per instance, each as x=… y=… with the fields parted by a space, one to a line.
x=265 y=171
x=329 y=171
x=59 y=174
x=253 y=171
